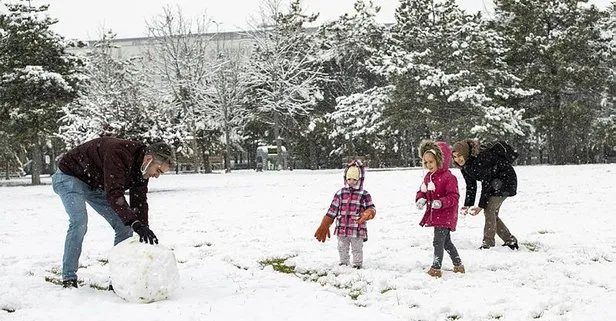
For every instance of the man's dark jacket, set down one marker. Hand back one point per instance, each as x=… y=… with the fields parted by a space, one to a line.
x=114 y=166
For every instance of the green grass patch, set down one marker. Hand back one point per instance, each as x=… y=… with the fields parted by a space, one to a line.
x=53 y=280
x=537 y=315
x=202 y=244
x=385 y=290
x=322 y=277
x=58 y=281
x=99 y=287
x=354 y=294
x=278 y=264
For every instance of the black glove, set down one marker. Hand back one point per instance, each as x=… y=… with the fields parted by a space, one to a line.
x=145 y=234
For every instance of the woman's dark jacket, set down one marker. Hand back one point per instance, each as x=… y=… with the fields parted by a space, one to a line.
x=497 y=176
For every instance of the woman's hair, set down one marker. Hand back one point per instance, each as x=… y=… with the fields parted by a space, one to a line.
x=467 y=148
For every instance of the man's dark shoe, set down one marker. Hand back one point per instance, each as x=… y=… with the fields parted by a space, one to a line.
x=512 y=245
x=484 y=247
x=69 y=284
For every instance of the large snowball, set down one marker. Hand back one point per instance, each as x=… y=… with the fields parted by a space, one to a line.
x=142 y=272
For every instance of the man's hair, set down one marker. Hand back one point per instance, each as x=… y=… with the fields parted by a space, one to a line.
x=161 y=151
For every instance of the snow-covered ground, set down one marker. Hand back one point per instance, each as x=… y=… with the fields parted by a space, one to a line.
x=221 y=226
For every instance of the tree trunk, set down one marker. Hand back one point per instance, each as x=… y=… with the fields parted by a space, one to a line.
x=314 y=162
x=8 y=167
x=196 y=150
x=557 y=142
x=404 y=150
x=52 y=166
x=37 y=162
x=227 y=145
x=281 y=161
x=207 y=165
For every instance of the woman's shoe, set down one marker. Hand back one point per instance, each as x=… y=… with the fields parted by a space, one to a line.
x=512 y=245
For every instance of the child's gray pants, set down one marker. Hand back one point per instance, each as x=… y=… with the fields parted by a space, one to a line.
x=356 y=244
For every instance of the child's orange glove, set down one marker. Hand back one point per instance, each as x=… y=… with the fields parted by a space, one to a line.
x=366 y=215
x=322 y=232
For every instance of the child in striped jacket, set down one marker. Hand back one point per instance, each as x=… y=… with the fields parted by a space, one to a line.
x=351 y=207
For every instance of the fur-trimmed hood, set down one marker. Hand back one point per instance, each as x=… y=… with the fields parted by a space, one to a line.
x=441 y=151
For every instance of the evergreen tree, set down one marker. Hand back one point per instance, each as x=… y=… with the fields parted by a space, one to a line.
x=346 y=45
x=604 y=127
x=557 y=48
x=449 y=76
x=359 y=120
x=37 y=77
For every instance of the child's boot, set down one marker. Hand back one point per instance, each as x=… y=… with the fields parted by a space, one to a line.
x=435 y=272
x=459 y=269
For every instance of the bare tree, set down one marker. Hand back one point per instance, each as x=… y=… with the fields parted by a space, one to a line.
x=283 y=72
x=180 y=55
x=226 y=96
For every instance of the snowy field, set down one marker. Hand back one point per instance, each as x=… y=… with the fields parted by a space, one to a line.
x=226 y=230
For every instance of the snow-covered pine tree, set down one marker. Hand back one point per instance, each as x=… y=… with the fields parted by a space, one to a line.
x=556 y=46
x=346 y=45
x=450 y=80
x=359 y=120
x=604 y=127
x=37 y=77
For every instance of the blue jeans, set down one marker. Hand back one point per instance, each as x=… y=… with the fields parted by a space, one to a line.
x=75 y=194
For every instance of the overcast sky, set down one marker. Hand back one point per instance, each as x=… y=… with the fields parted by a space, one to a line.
x=84 y=19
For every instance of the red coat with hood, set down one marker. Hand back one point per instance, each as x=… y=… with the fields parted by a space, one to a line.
x=444 y=187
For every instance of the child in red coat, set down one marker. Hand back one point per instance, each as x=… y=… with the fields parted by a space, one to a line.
x=439 y=193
